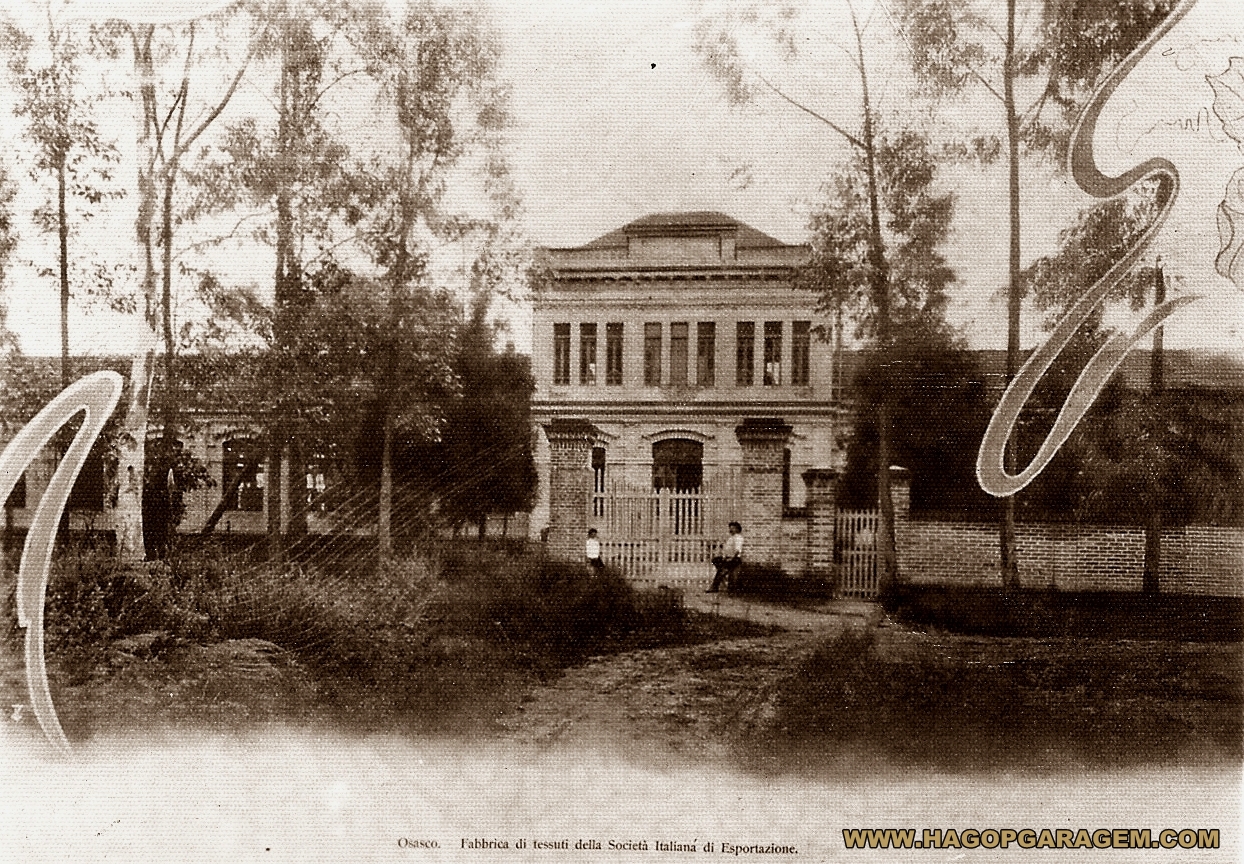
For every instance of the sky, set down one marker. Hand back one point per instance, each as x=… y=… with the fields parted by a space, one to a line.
x=617 y=116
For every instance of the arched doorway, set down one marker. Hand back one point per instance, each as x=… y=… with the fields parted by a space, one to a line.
x=677 y=465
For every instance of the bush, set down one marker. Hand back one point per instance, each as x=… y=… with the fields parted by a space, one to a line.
x=553 y=613
x=967 y=704
x=772 y=583
x=425 y=638
x=988 y=611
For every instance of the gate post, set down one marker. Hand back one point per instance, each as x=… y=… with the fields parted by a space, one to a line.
x=822 y=486
x=570 y=486
x=763 y=442
x=900 y=494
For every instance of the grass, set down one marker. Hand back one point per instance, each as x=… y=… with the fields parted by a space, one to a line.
x=439 y=640
x=958 y=703
x=1112 y=614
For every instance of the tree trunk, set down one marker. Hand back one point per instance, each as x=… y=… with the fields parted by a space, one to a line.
x=131 y=444
x=223 y=505
x=886 y=548
x=131 y=461
x=1008 y=552
x=285 y=277
x=62 y=230
x=272 y=497
x=1152 y=583
x=384 y=536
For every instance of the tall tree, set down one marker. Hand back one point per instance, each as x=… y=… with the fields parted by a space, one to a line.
x=1162 y=450
x=167 y=130
x=58 y=110
x=483 y=461
x=924 y=355
x=1053 y=50
x=435 y=73
x=719 y=45
x=292 y=170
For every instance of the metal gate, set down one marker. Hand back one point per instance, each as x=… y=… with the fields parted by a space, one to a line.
x=855 y=542
x=663 y=536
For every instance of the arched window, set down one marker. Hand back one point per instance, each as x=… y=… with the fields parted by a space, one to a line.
x=678 y=465
x=242 y=478
x=88 y=489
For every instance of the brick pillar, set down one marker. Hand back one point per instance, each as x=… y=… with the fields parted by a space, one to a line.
x=822 y=498
x=763 y=442
x=900 y=494
x=570 y=484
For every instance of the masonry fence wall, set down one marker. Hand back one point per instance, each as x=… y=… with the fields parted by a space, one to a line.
x=1198 y=559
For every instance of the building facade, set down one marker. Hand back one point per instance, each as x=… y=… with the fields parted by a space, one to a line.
x=664 y=337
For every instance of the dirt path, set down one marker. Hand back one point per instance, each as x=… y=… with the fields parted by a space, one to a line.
x=678 y=702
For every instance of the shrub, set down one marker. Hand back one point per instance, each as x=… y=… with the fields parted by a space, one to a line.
x=553 y=613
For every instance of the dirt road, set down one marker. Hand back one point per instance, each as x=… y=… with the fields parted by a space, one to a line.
x=689 y=702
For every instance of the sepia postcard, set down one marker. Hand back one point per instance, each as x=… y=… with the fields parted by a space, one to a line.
x=735 y=430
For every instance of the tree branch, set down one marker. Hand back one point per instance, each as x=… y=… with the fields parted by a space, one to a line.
x=224 y=100
x=984 y=82
x=851 y=139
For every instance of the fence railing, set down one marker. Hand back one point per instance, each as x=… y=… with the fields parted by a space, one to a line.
x=855 y=533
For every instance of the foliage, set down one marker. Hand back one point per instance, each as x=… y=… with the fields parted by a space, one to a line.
x=1100 y=237
x=1171 y=451
x=483 y=461
x=172 y=471
x=57 y=108
x=915 y=223
x=392 y=628
x=8 y=239
x=549 y=614
x=976 y=705
x=347 y=356
x=1107 y=615
x=941 y=410
x=1060 y=49
x=1178 y=451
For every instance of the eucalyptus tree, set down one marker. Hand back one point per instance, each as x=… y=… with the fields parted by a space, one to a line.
x=936 y=392
x=719 y=43
x=171 y=64
x=1035 y=60
x=288 y=169
x=1166 y=451
x=57 y=103
x=435 y=75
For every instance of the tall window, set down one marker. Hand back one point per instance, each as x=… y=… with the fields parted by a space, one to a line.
x=652 y=355
x=587 y=353
x=561 y=353
x=242 y=479
x=800 y=346
x=17 y=498
x=87 y=492
x=745 y=353
x=678 y=353
x=598 y=481
x=773 y=353
x=613 y=354
x=705 y=349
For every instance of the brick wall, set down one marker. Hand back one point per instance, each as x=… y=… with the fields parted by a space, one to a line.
x=763 y=442
x=1195 y=559
x=570 y=484
x=795 y=545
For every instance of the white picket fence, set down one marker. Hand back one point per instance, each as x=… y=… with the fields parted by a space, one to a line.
x=855 y=534
x=663 y=536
